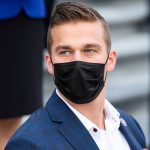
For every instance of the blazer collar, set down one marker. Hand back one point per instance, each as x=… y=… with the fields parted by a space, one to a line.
x=69 y=125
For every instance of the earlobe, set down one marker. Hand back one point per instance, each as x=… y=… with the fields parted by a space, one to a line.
x=111 y=61
x=49 y=63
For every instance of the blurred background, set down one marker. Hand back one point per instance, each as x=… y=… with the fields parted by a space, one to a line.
x=128 y=86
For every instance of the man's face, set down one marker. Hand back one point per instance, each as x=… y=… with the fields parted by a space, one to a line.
x=81 y=41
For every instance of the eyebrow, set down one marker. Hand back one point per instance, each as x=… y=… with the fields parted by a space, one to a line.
x=92 y=45
x=63 y=47
x=89 y=45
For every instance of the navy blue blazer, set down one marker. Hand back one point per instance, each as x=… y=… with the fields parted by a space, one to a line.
x=56 y=127
x=11 y=8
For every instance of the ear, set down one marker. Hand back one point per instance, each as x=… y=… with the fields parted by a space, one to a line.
x=49 y=63
x=110 y=65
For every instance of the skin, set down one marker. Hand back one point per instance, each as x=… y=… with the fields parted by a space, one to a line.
x=82 y=41
x=7 y=128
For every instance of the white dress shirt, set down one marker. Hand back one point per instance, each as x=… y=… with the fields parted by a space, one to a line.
x=109 y=139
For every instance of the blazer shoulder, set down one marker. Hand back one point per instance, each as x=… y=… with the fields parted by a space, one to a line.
x=134 y=127
x=33 y=133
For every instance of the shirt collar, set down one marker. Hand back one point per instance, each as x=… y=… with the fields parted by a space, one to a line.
x=112 y=121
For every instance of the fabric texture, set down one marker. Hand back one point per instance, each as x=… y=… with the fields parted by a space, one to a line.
x=56 y=127
x=22 y=43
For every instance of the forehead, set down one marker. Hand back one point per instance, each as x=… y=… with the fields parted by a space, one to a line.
x=78 y=33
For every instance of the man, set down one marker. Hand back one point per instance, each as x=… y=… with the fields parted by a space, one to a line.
x=77 y=116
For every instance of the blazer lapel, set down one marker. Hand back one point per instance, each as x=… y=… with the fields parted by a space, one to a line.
x=126 y=131
x=69 y=125
x=77 y=135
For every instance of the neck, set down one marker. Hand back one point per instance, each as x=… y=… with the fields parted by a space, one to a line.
x=94 y=110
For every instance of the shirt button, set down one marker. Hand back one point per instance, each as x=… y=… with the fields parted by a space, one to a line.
x=94 y=129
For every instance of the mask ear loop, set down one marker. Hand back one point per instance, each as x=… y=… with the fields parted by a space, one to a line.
x=52 y=65
x=51 y=60
x=106 y=71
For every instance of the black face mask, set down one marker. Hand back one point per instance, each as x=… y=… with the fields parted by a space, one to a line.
x=78 y=81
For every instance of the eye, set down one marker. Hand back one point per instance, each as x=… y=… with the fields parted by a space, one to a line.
x=65 y=52
x=90 y=51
